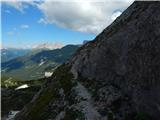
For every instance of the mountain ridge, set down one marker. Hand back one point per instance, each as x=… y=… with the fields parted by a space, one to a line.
x=113 y=77
x=11 y=53
x=34 y=65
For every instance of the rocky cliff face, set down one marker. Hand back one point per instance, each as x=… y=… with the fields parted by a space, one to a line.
x=114 y=77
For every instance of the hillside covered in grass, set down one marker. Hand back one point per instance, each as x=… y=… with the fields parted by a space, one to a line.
x=34 y=66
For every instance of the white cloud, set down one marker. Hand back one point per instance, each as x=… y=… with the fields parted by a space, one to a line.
x=116 y=14
x=84 y=16
x=42 y=20
x=90 y=16
x=10 y=33
x=24 y=26
x=19 y=4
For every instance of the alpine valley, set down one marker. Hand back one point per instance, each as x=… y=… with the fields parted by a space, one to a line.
x=23 y=72
x=36 y=62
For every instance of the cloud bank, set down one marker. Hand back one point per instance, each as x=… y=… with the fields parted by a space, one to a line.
x=83 y=16
x=90 y=16
x=20 y=5
x=24 y=26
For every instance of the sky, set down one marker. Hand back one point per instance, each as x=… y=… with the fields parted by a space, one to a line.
x=26 y=24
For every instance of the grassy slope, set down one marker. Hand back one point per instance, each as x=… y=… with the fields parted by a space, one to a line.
x=12 y=99
x=28 y=67
x=31 y=71
x=38 y=110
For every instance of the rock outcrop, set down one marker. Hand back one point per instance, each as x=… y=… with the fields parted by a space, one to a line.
x=114 y=77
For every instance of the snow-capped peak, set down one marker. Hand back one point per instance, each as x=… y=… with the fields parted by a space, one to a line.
x=50 y=46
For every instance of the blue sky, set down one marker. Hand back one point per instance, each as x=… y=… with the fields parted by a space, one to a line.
x=25 y=24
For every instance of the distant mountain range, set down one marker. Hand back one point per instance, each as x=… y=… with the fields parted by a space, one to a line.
x=34 y=64
x=49 y=46
x=11 y=53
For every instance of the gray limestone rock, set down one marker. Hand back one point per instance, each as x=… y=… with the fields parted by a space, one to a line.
x=114 y=77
